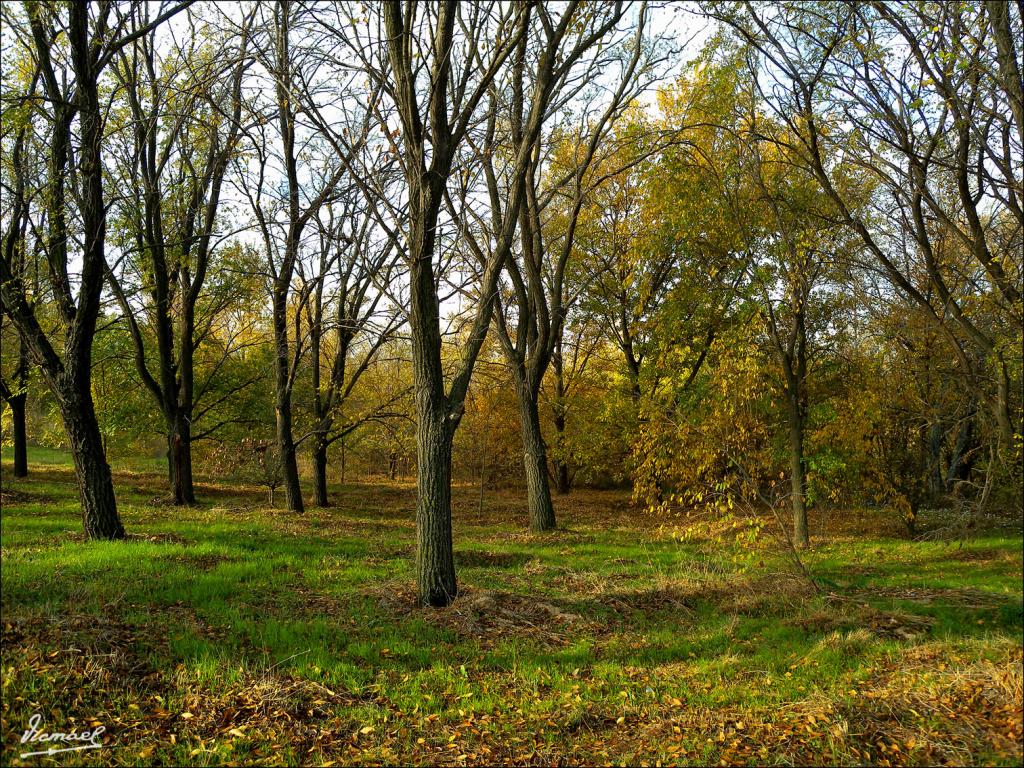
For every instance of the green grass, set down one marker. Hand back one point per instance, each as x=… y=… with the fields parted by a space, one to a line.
x=233 y=633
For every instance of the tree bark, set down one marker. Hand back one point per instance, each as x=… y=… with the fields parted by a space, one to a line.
x=99 y=507
x=538 y=491
x=283 y=400
x=961 y=461
x=95 y=486
x=1004 y=420
x=435 y=562
x=1009 y=72
x=17 y=403
x=796 y=470
x=795 y=366
x=936 y=434
x=286 y=445
x=320 y=473
x=179 y=460
x=562 y=480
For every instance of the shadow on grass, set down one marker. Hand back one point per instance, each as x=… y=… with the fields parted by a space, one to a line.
x=225 y=595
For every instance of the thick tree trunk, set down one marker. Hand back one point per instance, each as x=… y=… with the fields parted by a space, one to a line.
x=435 y=563
x=17 y=403
x=99 y=507
x=179 y=460
x=535 y=460
x=796 y=470
x=320 y=474
x=95 y=486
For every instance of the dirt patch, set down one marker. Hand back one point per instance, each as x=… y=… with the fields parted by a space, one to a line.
x=628 y=604
x=12 y=496
x=313 y=603
x=766 y=596
x=850 y=615
x=93 y=652
x=186 y=614
x=202 y=563
x=982 y=556
x=475 y=558
x=966 y=597
x=557 y=536
x=491 y=616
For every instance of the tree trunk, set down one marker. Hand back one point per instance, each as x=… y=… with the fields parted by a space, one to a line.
x=99 y=507
x=179 y=460
x=1003 y=418
x=320 y=473
x=538 y=491
x=286 y=445
x=483 y=481
x=435 y=563
x=796 y=471
x=911 y=520
x=935 y=480
x=962 y=459
x=283 y=403
x=17 y=403
x=562 y=480
x=95 y=486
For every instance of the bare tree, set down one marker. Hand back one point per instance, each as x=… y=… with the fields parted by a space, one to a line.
x=184 y=112
x=531 y=323
x=311 y=178
x=349 y=320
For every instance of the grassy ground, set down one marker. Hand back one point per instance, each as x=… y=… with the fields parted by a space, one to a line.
x=231 y=633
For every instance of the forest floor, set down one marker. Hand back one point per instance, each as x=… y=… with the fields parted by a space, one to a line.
x=232 y=633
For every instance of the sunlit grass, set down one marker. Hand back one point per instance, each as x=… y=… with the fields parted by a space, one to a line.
x=284 y=636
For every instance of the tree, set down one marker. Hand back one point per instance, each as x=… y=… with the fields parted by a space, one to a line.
x=311 y=178
x=531 y=322
x=353 y=267
x=14 y=383
x=70 y=49
x=15 y=395
x=794 y=247
x=575 y=346
x=183 y=117
x=467 y=53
